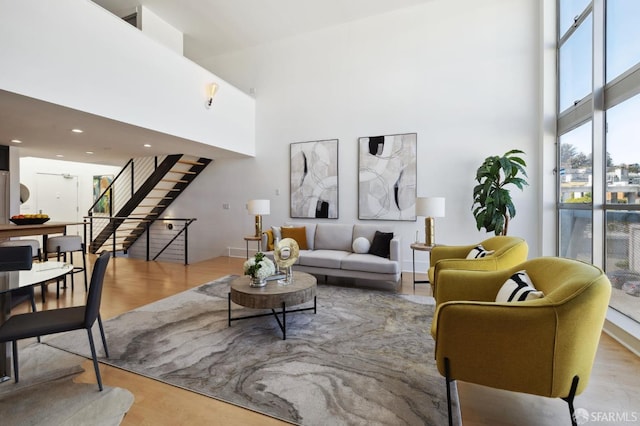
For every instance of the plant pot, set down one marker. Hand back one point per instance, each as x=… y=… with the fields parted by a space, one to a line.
x=257 y=282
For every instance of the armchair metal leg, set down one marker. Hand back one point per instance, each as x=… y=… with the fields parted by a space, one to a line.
x=569 y=399
x=95 y=359
x=447 y=372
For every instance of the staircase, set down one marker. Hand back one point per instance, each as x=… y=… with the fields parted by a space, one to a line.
x=153 y=184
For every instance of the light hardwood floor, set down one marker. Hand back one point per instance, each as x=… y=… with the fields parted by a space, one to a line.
x=131 y=283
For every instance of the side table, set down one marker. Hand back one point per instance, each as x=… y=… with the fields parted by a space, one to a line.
x=253 y=238
x=419 y=247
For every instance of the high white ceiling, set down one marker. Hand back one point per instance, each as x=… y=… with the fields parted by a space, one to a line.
x=210 y=28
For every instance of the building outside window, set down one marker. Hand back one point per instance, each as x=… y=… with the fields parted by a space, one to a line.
x=598 y=141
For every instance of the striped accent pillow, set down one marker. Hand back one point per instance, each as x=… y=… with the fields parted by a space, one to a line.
x=478 y=251
x=518 y=288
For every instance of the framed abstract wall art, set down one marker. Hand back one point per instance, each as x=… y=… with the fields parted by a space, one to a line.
x=387 y=177
x=314 y=179
x=100 y=184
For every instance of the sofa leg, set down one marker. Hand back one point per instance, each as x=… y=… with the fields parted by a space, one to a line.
x=447 y=373
x=569 y=399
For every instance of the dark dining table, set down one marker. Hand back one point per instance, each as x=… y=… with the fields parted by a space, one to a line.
x=11 y=280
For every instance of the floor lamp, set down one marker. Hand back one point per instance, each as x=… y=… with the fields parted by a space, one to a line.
x=430 y=208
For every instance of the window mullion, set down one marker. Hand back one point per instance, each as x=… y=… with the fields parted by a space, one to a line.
x=598 y=128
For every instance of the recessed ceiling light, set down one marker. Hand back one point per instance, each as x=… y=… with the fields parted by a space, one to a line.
x=59 y=155
x=89 y=152
x=146 y=145
x=16 y=141
x=77 y=130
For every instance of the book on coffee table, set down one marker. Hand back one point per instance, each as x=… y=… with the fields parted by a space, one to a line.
x=276 y=277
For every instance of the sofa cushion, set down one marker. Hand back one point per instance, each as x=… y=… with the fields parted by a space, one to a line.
x=277 y=232
x=380 y=246
x=333 y=236
x=518 y=288
x=268 y=243
x=297 y=233
x=370 y=263
x=311 y=231
x=323 y=258
x=361 y=245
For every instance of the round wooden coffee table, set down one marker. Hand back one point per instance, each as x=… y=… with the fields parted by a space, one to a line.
x=274 y=296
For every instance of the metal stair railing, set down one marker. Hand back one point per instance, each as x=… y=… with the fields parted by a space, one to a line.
x=134 y=173
x=140 y=193
x=166 y=238
x=132 y=202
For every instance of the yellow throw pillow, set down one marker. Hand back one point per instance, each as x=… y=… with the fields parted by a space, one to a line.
x=269 y=234
x=298 y=234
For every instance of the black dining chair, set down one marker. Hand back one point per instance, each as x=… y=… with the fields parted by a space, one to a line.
x=18 y=258
x=23 y=326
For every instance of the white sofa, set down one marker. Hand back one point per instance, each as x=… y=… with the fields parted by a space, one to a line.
x=330 y=253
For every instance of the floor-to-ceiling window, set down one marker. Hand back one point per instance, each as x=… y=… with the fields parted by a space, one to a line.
x=599 y=141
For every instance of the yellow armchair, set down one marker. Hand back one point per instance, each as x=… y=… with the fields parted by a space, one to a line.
x=543 y=347
x=507 y=252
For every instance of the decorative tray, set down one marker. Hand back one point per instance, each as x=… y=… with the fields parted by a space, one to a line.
x=30 y=221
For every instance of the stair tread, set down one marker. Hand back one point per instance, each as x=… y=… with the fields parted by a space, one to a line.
x=174 y=180
x=191 y=162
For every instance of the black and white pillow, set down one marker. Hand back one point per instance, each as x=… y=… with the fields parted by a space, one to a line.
x=518 y=288
x=478 y=252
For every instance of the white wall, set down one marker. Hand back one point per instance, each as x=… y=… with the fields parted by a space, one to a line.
x=463 y=75
x=30 y=167
x=156 y=28
x=76 y=54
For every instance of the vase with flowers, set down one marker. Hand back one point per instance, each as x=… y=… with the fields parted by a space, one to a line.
x=259 y=268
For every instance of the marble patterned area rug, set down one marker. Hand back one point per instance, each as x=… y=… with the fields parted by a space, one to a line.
x=47 y=395
x=366 y=357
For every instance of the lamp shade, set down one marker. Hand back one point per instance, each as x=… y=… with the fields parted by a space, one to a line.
x=430 y=206
x=259 y=207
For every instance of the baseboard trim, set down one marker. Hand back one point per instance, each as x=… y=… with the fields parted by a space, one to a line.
x=624 y=330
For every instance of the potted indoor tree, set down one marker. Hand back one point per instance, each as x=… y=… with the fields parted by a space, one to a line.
x=492 y=203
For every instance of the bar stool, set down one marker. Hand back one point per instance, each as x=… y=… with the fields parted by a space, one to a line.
x=62 y=245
